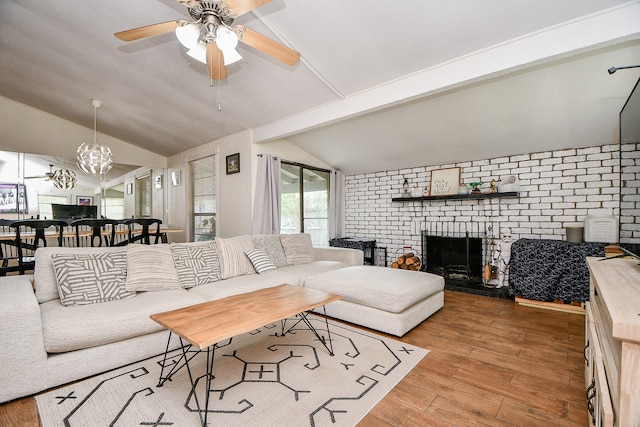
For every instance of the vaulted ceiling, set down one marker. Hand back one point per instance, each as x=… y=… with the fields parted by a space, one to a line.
x=380 y=85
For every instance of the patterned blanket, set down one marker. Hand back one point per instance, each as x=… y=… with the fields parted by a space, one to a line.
x=547 y=270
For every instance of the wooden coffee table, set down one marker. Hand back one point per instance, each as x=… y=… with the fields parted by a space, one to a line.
x=204 y=325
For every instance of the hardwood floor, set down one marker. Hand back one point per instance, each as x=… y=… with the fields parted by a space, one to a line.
x=492 y=363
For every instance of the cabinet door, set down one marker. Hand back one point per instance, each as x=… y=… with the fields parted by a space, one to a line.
x=602 y=404
x=599 y=399
x=588 y=349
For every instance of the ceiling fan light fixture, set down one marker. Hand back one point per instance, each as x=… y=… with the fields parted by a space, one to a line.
x=199 y=53
x=188 y=35
x=227 y=41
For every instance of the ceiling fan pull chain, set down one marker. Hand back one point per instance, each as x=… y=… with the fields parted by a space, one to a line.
x=219 y=73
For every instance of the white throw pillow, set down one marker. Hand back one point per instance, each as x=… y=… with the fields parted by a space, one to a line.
x=261 y=261
x=298 y=248
x=233 y=261
x=91 y=278
x=196 y=263
x=151 y=268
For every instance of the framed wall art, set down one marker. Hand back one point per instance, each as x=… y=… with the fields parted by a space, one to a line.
x=84 y=200
x=445 y=182
x=233 y=163
x=13 y=198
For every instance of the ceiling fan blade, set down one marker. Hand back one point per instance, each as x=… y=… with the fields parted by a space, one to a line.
x=270 y=47
x=217 y=69
x=147 y=31
x=243 y=6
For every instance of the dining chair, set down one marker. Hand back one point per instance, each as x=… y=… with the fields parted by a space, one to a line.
x=8 y=248
x=144 y=235
x=96 y=226
x=27 y=243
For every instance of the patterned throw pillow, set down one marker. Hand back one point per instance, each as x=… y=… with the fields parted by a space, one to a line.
x=298 y=248
x=196 y=263
x=151 y=268
x=261 y=261
x=91 y=278
x=272 y=246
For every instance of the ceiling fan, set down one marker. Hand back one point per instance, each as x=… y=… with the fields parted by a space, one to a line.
x=211 y=36
x=47 y=175
x=62 y=178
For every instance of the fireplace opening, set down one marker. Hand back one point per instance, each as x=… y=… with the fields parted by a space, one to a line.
x=457 y=253
x=457 y=259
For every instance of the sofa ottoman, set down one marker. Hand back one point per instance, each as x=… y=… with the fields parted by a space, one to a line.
x=386 y=299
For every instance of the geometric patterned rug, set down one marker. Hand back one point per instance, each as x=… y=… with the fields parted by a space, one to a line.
x=261 y=379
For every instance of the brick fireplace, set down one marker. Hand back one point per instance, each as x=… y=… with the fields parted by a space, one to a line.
x=557 y=189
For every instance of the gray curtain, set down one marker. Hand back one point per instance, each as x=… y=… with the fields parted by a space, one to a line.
x=335 y=205
x=266 y=207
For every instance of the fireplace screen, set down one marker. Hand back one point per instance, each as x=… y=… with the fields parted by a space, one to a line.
x=457 y=258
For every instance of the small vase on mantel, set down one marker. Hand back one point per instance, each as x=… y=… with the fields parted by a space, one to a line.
x=405 y=189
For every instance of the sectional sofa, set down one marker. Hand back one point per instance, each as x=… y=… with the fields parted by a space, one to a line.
x=86 y=310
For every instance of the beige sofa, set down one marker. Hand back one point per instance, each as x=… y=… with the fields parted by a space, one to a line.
x=70 y=329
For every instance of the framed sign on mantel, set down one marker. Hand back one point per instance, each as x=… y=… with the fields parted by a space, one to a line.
x=445 y=182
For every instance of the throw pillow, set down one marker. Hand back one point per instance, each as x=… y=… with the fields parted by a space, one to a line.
x=233 y=261
x=151 y=268
x=298 y=248
x=261 y=261
x=196 y=263
x=272 y=246
x=91 y=278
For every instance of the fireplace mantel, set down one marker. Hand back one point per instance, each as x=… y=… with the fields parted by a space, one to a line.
x=470 y=196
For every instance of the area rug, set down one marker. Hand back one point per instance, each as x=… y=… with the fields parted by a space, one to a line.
x=261 y=378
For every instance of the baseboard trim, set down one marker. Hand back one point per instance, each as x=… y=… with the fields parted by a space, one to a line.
x=567 y=308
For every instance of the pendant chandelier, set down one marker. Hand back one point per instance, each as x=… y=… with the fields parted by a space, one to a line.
x=64 y=179
x=96 y=159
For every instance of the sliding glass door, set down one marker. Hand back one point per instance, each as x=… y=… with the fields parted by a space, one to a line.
x=305 y=201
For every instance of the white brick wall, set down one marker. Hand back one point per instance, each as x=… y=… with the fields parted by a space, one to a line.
x=630 y=193
x=557 y=189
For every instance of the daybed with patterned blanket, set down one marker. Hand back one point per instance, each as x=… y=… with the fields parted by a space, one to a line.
x=548 y=270
x=91 y=306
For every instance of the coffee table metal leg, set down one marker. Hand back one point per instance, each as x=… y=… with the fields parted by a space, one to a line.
x=162 y=378
x=322 y=339
x=176 y=366
x=208 y=378
x=210 y=357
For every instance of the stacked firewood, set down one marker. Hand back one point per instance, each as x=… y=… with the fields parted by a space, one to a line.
x=408 y=261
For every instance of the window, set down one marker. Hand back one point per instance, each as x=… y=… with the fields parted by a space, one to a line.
x=114 y=207
x=203 y=176
x=44 y=204
x=305 y=201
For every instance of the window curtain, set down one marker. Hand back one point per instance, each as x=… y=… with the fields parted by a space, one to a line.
x=335 y=205
x=266 y=207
